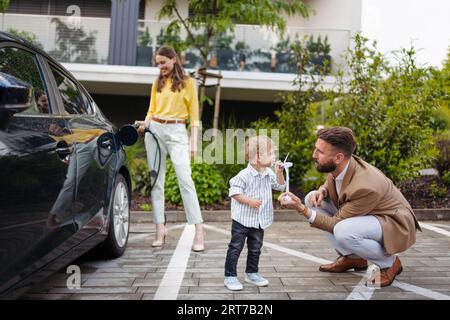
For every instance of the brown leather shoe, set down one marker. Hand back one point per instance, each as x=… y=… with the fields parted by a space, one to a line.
x=344 y=263
x=387 y=275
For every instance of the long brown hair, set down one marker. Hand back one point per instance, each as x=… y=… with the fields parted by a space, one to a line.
x=177 y=75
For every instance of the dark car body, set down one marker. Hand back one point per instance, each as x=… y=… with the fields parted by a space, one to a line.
x=62 y=170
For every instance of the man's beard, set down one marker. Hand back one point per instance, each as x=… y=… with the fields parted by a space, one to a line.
x=325 y=168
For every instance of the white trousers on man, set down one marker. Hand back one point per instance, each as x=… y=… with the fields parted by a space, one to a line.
x=361 y=236
x=173 y=141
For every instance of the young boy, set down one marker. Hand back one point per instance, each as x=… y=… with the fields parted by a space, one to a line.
x=252 y=209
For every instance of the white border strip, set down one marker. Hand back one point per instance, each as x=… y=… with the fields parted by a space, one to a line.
x=435 y=229
x=420 y=291
x=170 y=284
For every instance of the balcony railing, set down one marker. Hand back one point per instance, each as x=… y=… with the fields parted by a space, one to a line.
x=249 y=48
x=82 y=40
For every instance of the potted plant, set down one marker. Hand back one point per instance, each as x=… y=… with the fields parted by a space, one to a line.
x=283 y=61
x=144 y=49
x=320 y=57
x=222 y=52
x=241 y=49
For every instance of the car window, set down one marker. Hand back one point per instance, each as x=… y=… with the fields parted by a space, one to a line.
x=87 y=103
x=24 y=66
x=73 y=100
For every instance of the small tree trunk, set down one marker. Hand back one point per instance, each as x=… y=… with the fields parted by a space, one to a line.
x=216 y=107
x=202 y=94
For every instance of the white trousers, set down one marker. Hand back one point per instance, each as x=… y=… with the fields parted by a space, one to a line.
x=361 y=235
x=173 y=141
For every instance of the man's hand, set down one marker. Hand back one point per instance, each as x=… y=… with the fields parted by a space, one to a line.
x=317 y=197
x=254 y=203
x=295 y=203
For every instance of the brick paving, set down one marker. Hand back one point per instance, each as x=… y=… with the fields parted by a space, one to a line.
x=137 y=274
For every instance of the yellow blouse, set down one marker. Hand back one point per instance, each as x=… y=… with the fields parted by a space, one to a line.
x=180 y=104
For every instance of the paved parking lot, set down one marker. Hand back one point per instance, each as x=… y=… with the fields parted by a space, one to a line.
x=291 y=256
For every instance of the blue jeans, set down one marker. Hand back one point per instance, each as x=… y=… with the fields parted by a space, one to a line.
x=254 y=244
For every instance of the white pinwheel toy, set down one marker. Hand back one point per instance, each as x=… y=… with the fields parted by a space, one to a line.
x=286 y=166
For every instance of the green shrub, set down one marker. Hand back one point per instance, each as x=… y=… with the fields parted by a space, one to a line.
x=136 y=161
x=446 y=178
x=29 y=36
x=208 y=181
x=442 y=78
x=389 y=108
x=442 y=160
x=438 y=191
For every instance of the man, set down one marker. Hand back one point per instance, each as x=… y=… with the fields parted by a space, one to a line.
x=365 y=216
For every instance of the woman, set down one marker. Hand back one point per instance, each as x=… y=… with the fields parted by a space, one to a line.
x=173 y=103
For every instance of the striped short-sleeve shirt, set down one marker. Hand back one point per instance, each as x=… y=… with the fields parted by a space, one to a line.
x=257 y=185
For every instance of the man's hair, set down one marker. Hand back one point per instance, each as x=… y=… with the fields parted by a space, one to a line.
x=257 y=145
x=341 y=138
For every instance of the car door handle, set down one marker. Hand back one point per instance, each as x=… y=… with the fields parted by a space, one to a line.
x=66 y=150
x=63 y=150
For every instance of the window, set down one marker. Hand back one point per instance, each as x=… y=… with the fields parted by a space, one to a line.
x=23 y=65
x=74 y=102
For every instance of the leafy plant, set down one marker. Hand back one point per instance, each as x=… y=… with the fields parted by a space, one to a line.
x=4 y=5
x=294 y=120
x=442 y=160
x=173 y=40
x=389 y=108
x=145 y=40
x=29 y=36
x=241 y=45
x=208 y=182
x=446 y=178
x=438 y=191
x=137 y=163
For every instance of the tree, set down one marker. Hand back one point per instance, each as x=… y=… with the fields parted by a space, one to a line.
x=4 y=5
x=213 y=18
x=295 y=121
x=390 y=108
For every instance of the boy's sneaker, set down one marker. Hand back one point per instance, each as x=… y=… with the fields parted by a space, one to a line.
x=232 y=283
x=256 y=279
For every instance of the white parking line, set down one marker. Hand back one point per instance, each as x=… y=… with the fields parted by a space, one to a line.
x=446 y=226
x=360 y=291
x=170 y=284
x=435 y=229
x=420 y=291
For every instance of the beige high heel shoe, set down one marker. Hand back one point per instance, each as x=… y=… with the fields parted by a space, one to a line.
x=160 y=239
x=198 y=245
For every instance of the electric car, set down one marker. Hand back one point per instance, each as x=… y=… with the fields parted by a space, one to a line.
x=64 y=185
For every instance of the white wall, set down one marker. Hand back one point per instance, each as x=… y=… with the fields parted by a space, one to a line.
x=396 y=23
x=331 y=14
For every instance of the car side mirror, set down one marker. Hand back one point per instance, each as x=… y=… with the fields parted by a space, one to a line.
x=128 y=135
x=15 y=95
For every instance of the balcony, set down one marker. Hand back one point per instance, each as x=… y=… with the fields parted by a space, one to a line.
x=82 y=40
x=251 y=48
x=254 y=62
